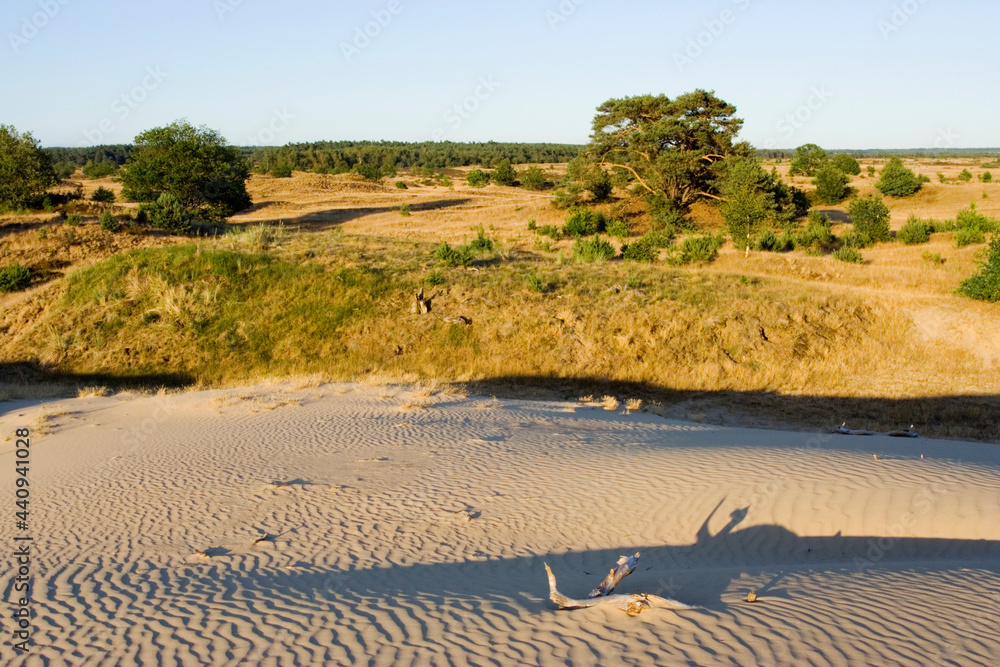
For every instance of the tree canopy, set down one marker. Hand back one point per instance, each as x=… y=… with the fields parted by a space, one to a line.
x=25 y=170
x=195 y=165
x=670 y=149
x=807 y=160
x=896 y=180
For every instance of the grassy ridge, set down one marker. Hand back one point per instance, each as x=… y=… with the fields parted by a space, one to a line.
x=212 y=312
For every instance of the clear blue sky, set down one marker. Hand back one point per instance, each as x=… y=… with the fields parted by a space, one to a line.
x=846 y=74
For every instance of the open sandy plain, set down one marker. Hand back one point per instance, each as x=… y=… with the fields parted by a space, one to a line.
x=306 y=523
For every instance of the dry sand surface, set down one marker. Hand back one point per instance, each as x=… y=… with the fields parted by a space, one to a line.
x=360 y=524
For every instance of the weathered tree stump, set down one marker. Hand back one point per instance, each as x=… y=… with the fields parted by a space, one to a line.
x=421 y=306
x=633 y=605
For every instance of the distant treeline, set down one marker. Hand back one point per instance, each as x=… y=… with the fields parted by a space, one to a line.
x=878 y=153
x=343 y=156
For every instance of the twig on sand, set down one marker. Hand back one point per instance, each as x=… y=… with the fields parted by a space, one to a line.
x=633 y=605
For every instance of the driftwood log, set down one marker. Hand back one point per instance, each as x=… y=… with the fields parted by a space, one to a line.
x=633 y=605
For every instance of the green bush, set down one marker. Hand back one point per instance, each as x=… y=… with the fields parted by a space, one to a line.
x=14 y=278
x=965 y=176
x=897 y=180
x=434 y=278
x=504 y=173
x=282 y=170
x=167 y=213
x=457 y=256
x=477 y=178
x=568 y=196
x=969 y=236
x=969 y=218
x=617 y=228
x=74 y=220
x=939 y=226
x=584 y=222
x=915 y=231
x=986 y=177
x=985 y=285
x=103 y=195
x=401 y=185
x=532 y=225
x=932 y=257
x=641 y=250
x=831 y=184
x=846 y=164
x=768 y=241
x=482 y=242
x=807 y=160
x=870 y=217
x=532 y=178
x=941 y=177
x=854 y=239
x=700 y=248
x=537 y=284
x=599 y=185
x=551 y=231
x=660 y=238
x=100 y=169
x=816 y=237
x=108 y=222
x=594 y=249
x=372 y=172
x=404 y=210
x=923 y=179
x=871 y=170
x=849 y=255
x=63 y=170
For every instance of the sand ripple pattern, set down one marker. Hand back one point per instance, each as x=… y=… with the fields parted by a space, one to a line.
x=357 y=525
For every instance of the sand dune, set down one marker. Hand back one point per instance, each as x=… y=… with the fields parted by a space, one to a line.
x=354 y=524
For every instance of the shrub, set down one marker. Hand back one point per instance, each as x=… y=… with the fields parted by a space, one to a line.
x=768 y=241
x=167 y=213
x=477 y=178
x=617 y=228
x=985 y=285
x=815 y=237
x=25 y=169
x=969 y=236
x=932 y=257
x=551 y=231
x=965 y=176
x=504 y=173
x=103 y=195
x=100 y=169
x=700 y=248
x=855 y=239
x=457 y=256
x=404 y=210
x=282 y=170
x=401 y=185
x=897 y=180
x=941 y=177
x=831 y=184
x=63 y=170
x=969 y=218
x=74 y=220
x=584 y=222
x=870 y=217
x=599 y=185
x=915 y=231
x=108 y=222
x=532 y=225
x=986 y=177
x=641 y=250
x=923 y=179
x=537 y=284
x=434 y=278
x=593 y=250
x=567 y=197
x=846 y=164
x=871 y=170
x=372 y=172
x=14 y=278
x=849 y=255
x=938 y=226
x=482 y=242
x=532 y=178
x=660 y=238
x=43 y=232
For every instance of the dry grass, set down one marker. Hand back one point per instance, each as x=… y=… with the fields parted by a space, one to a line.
x=768 y=325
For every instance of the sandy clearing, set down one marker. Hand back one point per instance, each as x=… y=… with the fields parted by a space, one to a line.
x=353 y=524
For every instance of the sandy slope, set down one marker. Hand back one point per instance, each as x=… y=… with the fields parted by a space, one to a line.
x=411 y=529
